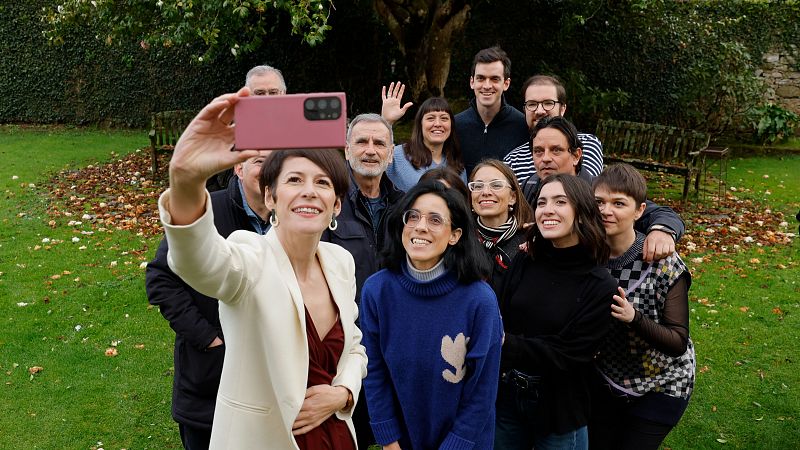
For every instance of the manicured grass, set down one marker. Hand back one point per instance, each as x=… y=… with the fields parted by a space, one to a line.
x=80 y=302
x=62 y=307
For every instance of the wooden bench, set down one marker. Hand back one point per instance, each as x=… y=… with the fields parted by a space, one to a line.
x=166 y=128
x=652 y=147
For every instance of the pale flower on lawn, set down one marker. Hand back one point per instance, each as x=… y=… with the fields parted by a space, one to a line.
x=45 y=240
x=113 y=264
x=75 y=239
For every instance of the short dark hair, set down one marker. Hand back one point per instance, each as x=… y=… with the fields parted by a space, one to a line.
x=566 y=128
x=588 y=224
x=417 y=153
x=466 y=259
x=625 y=179
x=522 y=210
x=547 y=80
x=449 y=176
x=490 y=55
x=331 y=162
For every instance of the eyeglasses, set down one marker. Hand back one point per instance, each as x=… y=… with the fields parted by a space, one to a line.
x=495 y=185
x=547 y=105
x=268 y=92
x=434 y=221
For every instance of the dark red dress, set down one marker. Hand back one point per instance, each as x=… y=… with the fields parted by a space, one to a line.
x=323 y=356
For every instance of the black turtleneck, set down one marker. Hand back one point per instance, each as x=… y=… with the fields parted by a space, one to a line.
x=556 y=310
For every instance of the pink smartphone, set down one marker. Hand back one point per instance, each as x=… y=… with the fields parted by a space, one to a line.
x=276 y=122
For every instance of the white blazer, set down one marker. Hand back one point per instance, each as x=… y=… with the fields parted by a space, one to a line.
x=262 y=313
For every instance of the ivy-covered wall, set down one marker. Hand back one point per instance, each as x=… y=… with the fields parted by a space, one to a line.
x=85 y=81
x=689 y=64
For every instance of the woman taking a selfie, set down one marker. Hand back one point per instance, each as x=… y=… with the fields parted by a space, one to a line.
x=432 y=329
x=555 y=302
x=646 y=363
x=433 y=143
x=294 y=362
x=501 y=212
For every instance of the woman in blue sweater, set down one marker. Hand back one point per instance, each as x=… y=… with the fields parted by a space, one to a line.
x=433 y=143
x=432 y=329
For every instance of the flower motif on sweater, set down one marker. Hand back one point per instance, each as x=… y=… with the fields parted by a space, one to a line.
x=454 y=351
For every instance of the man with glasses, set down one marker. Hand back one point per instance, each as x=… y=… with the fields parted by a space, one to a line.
x=199 y=343
x=490 y=126
x=361 y=224
x=545 y=96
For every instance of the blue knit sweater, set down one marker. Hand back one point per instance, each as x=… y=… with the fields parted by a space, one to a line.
x=405 y=176
x=434 y=358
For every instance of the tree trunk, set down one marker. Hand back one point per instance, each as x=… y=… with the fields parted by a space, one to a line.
x=425 y=31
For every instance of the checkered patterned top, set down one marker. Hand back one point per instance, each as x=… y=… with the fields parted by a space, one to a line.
x=626 y=359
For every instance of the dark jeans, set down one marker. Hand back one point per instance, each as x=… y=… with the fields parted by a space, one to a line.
x=194 y=438
x=614 y=423
x=515 y=422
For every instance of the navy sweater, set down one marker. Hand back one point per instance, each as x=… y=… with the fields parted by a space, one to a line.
x=434 y=358
x=506 y=131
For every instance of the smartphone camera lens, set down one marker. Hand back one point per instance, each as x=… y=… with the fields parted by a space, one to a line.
x=335 y=104
x=322 y=103
x=310 y=104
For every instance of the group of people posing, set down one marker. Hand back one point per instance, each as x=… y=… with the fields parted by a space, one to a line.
x=485 y=285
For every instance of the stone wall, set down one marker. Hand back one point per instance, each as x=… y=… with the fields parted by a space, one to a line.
x=780 y=70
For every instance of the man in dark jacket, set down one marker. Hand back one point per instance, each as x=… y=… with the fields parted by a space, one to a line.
x=361 y=225
x=490 y=127
x=561 y=153
x=199 y=343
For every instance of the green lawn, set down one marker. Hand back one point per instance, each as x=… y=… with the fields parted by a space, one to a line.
x=63 y=304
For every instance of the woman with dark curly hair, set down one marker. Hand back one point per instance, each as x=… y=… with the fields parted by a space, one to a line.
x=555 y=302
x=432 y=329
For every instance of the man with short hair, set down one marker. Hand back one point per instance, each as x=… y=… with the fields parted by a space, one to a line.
x=265 y=80
x=490 y=126
x=545 y=96
x=199 y=342
x=361 y=225
x=556 y=149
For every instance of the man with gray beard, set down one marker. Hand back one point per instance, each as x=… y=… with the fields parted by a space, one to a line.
x=361 y=225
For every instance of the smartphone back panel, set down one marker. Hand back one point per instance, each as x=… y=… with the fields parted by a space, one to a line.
x=317 y=120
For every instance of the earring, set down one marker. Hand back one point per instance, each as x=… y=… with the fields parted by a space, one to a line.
x=273 y=219
x=334 y=224
x=510 y=208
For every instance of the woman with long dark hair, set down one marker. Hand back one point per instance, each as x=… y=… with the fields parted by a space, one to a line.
x=501 y=211
x=432 y=329
x=433 y=141
x=555 y=303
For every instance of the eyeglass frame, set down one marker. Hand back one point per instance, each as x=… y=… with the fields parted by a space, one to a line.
x=472 y=188
x=432 y=225
x=529 y=105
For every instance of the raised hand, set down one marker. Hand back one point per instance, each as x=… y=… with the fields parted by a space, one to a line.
x=203 y=150
x=391 y=109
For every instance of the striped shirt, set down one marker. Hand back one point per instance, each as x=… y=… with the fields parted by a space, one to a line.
x=521 y=159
